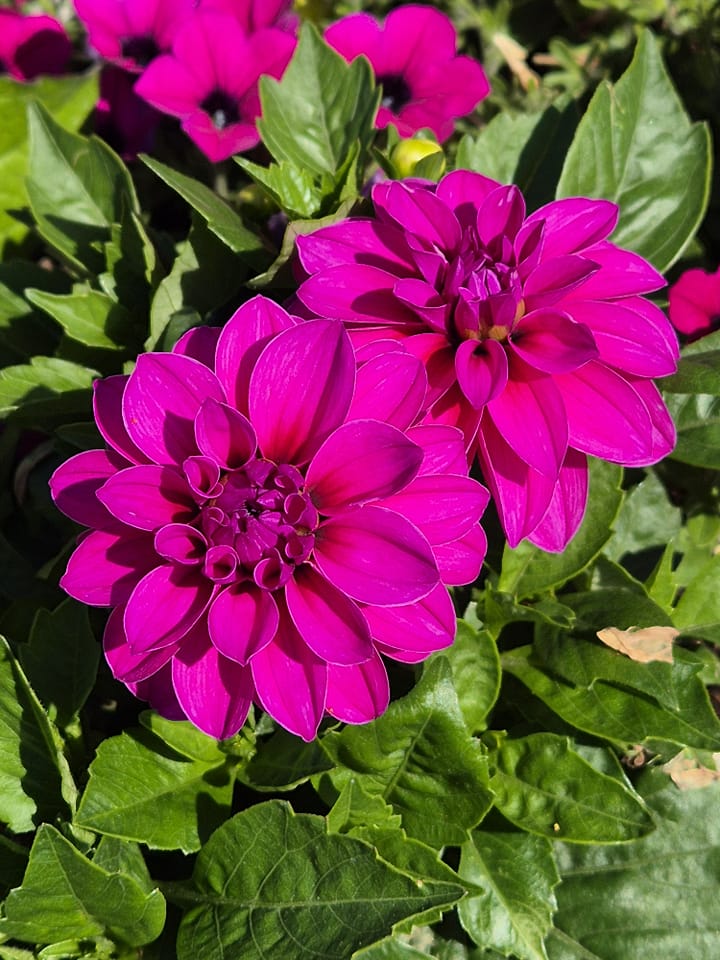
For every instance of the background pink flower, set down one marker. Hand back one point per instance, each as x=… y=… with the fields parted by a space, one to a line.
x=266 y=525
x=121 y=118
x=413 y=55
x=32 y=45
x=694 y=303
x=536 y=338
x=255 y=14
x=210 y=80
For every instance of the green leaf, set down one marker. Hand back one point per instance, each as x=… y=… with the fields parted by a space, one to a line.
x=697 y=420
x=647 y=519
x=698 y=611
x=69 y=99
x=135 y=775
x=272 y=885
x=527 y=570
x=662 y=584
x=355 y=807
x=77 y=188
x=476 y=673
x=61 y=659
x=699 y=368
x=420 y=758
x=183 y=737
x=90 y=317
x=545 y=787
x=23 y=331
x=64 y=895
x=320 y=108
x=283 y=762
x=46 y=390
x=656 y=898
x=636 y=146
x=122 y=856
x=293 y=188
x=220 y=218
x=500 y=609
x=518 y=873
x=35 y=783
x=132 y=264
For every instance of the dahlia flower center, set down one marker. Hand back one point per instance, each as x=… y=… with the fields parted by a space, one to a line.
x=140 y=49
x=486 y=296
x=221 y=108
x=395 y=92
x=261 y=525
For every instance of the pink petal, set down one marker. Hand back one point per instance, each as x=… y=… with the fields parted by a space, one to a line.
x=422 y=627
x=454 y=410
x=375 y=556
x=694 y=301
x=419 y=212
x=242 y=340
x=328 y=621
x=357 y=241
x=621 y=274
x=438 y=358
x=181 y=543
x=460 y=561
x=389 y=387
x=300 y=390
x=552 y=342
x=554 y=279
x=501 y=215
x=148 y=496
x=443 y=449
x=224 y=435
x=443 y=508
x=574 y=223
x=291 y=681
x=161 y=400
x=424 y=301
x=358 y=693
x=107 y=407
x=158 y=691
x=106 y=566
x=164 y=605
x=357 y=293
x=663 y=429
x=125 y=665
x=356 y=34
x=482 y=370
x=171 y=86
x=200 y=343
x=215 y=693
x=75 y=483
x=242 y=620
x=218 y=145
x=567 y=507
x=362 y=460
x=464 y=191
x=416 y=36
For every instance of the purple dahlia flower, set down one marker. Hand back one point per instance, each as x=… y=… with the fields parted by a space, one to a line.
x=266 y=525
x=413 y=55
x=536 y=338
x=210 y=80
x=31 y=46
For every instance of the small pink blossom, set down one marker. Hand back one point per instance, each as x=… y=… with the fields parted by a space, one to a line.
x=210 y=80
x=414 y=56
x=265 y=523
x=536 y=336
x=694 y=303
x=32 y=45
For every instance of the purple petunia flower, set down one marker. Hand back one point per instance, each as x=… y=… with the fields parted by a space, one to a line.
x=537 y=340
x=32 y=45
x=132 y=33
x=694 y=303
x=210 y=81
x=266 y=523
x=413 y=56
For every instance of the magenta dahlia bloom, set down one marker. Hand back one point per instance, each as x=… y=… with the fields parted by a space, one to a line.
x=210 y=81
x=694 y=303
x=413 y=55
x=132 y=33
x=536 y=338
x=32 y=45
x=265 y=524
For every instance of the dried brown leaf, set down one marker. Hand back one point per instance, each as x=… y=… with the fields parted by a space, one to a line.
x=643 y=645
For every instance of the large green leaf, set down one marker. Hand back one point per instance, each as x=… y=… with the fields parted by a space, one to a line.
x=282 y=762
x=272 y=885
x=636 y=146
x=647 y=519
x=35 y=783
x=88 y=316
x=46 y=390
x=136 y=775
x=542 y=785
x=698 y=610
x=698 y=369
x=514 y=912
x=65 y=895
x=697 y=419
x=476 y=673
x=320 y=108
x=652 y=900
x=420 y=758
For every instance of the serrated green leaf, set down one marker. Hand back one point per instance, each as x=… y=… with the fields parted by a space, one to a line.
x=476 y=673
x=420 y=758
x=61 y=659
x=518 y=873
x=545 y=787
x=355 y=807
x=637 y=146
x=46 y=390
x=64 y=895
x=697 y=420
x=320 y=108
x=272 y=885
x=527 y=570
x=656 y=898
x=88 y=316
x=135 y=775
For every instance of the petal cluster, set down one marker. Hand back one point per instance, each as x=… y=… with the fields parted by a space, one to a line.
x=266 y=522
x=534 y=330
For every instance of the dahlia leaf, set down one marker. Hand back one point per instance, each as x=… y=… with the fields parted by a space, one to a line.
x=356 y=808
x=698 y=611
x=543 y=786
x=476 y=673
x=46 y=390
x=65 y=895
x=283 y=762
x=517 y=872
x=320 y=108
x=647 y=518
x=89 y=317
x=135 y=775
x=420 y=758
x=654 y=898
x=83 y=178
x=697 y=420
x=527 y=570
x=272 y=884
x=637 y=146
x=699 y=367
